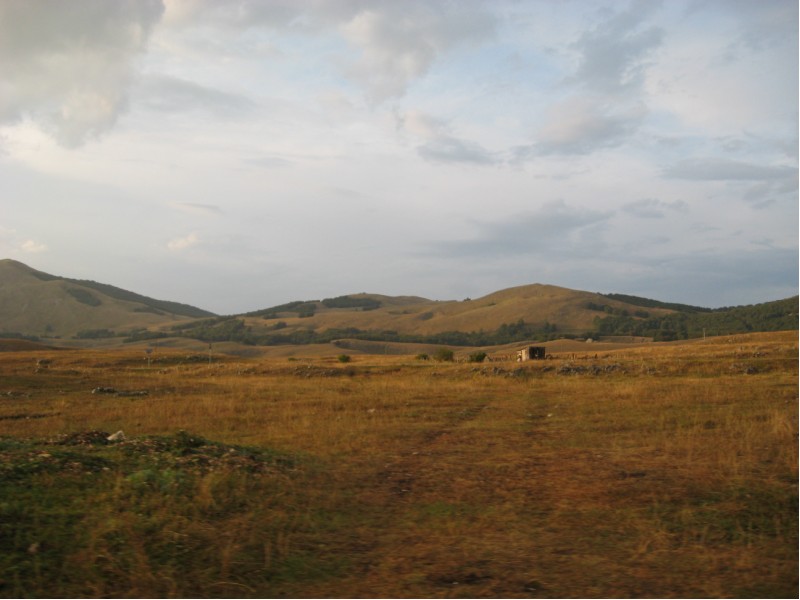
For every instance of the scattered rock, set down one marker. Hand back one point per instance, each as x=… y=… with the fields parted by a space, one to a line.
x=27 y=416
x=570 y=369
x=744 y=369
x=116 y=437
x=104 y=390
x=82 y=438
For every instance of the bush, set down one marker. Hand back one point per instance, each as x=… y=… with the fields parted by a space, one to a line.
x=443 y=354
x=343 y=358
x=93 y=334
x=477 y=357
x=422 y=356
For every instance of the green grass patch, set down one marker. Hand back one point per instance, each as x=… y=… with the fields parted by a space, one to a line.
x=151 y=516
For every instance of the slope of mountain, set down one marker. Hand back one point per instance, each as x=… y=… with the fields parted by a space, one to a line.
x=37 y=303
x=538 y=305
x=44 y=305
x=528 y=312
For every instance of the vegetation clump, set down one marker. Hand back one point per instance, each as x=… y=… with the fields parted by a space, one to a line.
x=84 y=296
x=351 y=302
x=443 y=355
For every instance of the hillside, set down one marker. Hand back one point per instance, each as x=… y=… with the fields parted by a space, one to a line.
x=532 y=312
x=34 y=303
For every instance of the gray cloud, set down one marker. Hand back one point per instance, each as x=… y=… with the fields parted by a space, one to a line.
x=448 y=149
x=613 y=53
x=607 y=109
x=172 y=94
x=708 y=279
x=760 y=24
x=651 y=208
x=68 y=65
x=440 y=144
x=581 y=125
x=769 y=184
x=722 y=169
x=572 y=231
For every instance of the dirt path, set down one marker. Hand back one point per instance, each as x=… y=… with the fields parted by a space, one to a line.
x=452 y=515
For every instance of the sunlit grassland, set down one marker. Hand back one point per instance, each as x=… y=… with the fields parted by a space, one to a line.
x=666 y=471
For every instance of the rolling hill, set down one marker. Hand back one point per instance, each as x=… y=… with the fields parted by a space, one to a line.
x=33 y=303
x=526 y=313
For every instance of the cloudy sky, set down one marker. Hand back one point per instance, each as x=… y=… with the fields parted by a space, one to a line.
x=236 y=155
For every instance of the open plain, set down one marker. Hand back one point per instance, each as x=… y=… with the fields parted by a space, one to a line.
x=652 y=470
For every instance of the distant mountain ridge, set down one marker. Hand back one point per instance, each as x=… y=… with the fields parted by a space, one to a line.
x=34 y=303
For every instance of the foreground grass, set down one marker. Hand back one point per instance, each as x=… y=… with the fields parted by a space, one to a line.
x=666 y=472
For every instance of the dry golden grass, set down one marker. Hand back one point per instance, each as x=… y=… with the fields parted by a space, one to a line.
x=666 y=471
x=534 y=303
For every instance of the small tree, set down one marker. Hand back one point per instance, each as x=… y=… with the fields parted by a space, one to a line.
x=443 y=354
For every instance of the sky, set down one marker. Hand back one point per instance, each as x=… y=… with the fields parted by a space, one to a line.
x=238 y=155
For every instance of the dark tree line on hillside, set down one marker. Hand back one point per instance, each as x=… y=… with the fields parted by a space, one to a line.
x=781 y=315
x=648 y=303
x=235 y=330
x=307 y=308
x=350 y=302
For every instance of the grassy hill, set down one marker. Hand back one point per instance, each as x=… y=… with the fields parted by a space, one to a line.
x=514 y=313
x=531 y=312
x=34 y=303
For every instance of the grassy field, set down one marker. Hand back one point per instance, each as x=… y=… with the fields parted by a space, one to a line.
x=654 y=471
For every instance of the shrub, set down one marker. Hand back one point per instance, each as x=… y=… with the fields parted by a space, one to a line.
x=443 y=354
x=477 y=357
x=93 y=334
x=343 y=358
x=422 y=356
x=84 y=296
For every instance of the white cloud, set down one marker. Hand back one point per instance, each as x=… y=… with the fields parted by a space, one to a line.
x=195 y=208
x=399 y=42
x=583 y=124
x=182 y=243
x=422 y=125
x=33 y=247
x=68 y=65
